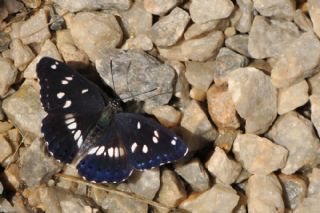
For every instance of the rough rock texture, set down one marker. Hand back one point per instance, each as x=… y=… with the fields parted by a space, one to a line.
x=170 y=28
x=264 y=192
x=254 y=97
x=213 y=200
x=224 y=169
x=195 y=174
x=296 y=134
x=200 y=74
x=75 y=6
x=276 y=8
x=298 y=61
x=8 y=75
x=159 y=7
x=21 y=54
x=292 y=97
x=24 y=110
x=94 y=32
x=270 y=38
x=202 y=11
x=167 y=115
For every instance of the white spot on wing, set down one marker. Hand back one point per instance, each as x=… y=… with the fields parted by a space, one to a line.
x=138 y=125
x=67 y=116
x=64 y=82
x=155 y=140
x=121 y=151
x=69 y=78
x=84 y=91
x=116 y=152
x=77 y=134
x=100 y=150
x=156 y=133
x=93 y=150
x=72 y=125
x=67 y=104
x=173 y=142
x=54 y=66
x=56 y=63
x=145 y=149
x=60 y=95
x=70 y=120
x=133 y=147
x=110 y=152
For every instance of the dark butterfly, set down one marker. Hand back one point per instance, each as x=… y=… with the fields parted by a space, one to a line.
x=83 y=121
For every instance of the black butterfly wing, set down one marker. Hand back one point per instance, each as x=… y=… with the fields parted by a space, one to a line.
x=73 y=105
x=107 y=161
x=148 y=143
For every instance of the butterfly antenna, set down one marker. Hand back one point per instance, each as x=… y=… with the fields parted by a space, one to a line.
x=113 y=85
x=133 y=96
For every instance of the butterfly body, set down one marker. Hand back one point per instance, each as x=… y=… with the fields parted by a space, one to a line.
x=83 y=121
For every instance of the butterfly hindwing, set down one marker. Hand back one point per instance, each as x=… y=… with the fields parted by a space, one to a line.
x=107 y=161
x=148 y=143
x=73 y=105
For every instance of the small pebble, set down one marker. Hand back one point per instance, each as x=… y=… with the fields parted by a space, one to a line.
x=194 y=174
x=238 y=43
x=167 y=115
x=172 y=190
x=292 y=97
x=197 y=94
x=159 y=7
x=221 y=108
x=8 y=75
x=245 y=21
x=296 y=134
x=195 y=30
x=225 y=139
x=203 y=203
x=21 y=54
x=224 y=169
x=167 y=31
x=200 y=74
x=264 y=192
x=259 y=155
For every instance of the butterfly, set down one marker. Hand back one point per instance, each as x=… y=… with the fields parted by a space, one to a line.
x=84 y=121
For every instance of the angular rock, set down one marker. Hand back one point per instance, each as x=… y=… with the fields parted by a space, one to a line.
x=8 y=75
x=296 y=134
x=94 y=32
x=21 y=54
x=276 y=8
x=292 y=97
x=196 y=122
x=238 y=43
x=136 y=21
x=110 y=202
x=159 y=7
x=196 y=30
x=145 y=183
x=72 y=55
x=295 y=190
x=137 y=76
x=48 y=49
x=213 y=200
x=264 y=193
x=270 y=38
x=167 y=115
x=36 y=166
x=194 y=174
x=12 y=173
x=314 y=12
x=298 y=61
x=167 y=31
x=35 y=29
x=259 y=155
x=141 y=41
x=5 y=149
x=172 y=190
x=225 y=139
x=57 y=200
x=203 y=48
x=80 y=5
x=221 y=108
x=224 y=169
x=24 y=110
x=254 y=97
x=227 y=61
x=244 y=24
x=315 y=111
x=200 y=74
x=202 y=11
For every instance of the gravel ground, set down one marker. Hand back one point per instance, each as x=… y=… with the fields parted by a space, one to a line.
x=238 y=80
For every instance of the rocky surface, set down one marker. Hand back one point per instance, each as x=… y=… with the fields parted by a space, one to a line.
x=238 y=81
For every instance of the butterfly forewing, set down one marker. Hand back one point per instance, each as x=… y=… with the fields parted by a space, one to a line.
x=73 y=105
x=148 y=144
